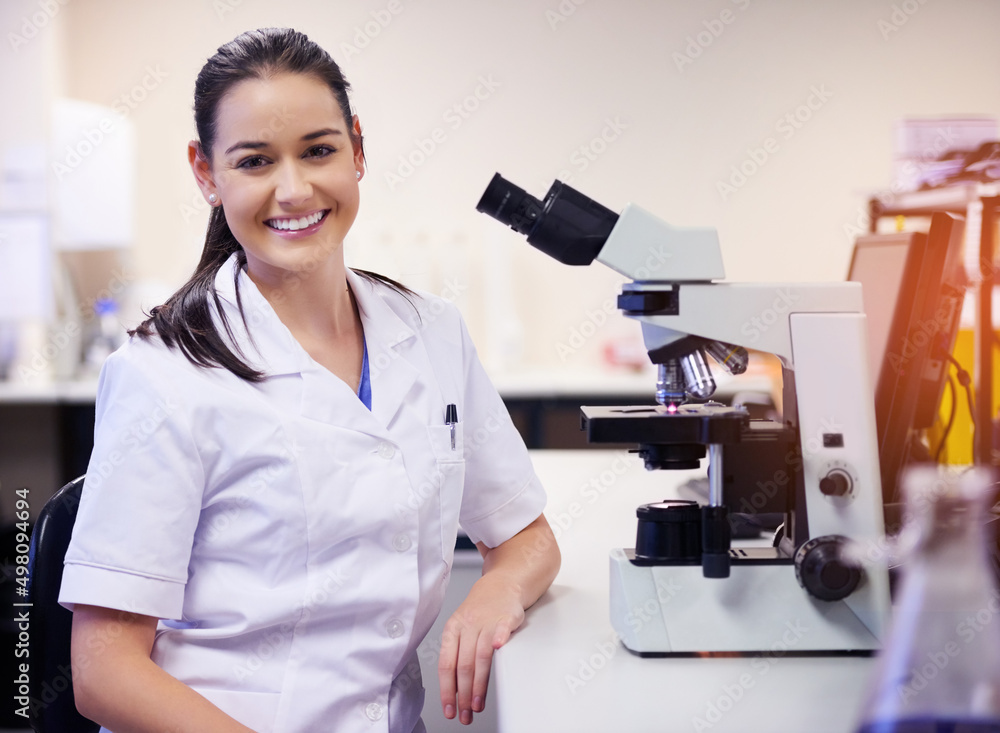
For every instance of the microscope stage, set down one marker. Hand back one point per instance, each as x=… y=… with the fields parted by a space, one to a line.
x=702 y=424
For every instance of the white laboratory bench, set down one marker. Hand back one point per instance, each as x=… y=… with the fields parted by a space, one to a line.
x=520 y=384
x=548 y=382
x=564 y=670
x=65 y=392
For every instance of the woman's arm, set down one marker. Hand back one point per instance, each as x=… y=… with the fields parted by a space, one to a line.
x=117 y=685
x=515 y=574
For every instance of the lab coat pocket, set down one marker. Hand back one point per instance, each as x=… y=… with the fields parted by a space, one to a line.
x=449 y=477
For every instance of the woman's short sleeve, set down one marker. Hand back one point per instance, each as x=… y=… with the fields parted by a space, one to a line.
x=502 y=493
x=143 y=490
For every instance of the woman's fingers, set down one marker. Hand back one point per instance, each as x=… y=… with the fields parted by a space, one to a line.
x=465 y=664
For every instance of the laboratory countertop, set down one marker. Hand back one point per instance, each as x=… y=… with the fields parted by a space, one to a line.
x=68 y=392
x=565 y=670
x=544 y=383
x=555 y=383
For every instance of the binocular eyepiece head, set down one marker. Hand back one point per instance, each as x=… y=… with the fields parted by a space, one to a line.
x=567 y=225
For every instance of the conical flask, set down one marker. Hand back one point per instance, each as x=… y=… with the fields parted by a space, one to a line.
x=940 y=669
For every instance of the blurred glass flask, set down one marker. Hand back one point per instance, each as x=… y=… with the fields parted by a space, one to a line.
x=940 y=669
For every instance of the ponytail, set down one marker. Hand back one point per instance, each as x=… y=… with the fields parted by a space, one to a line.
x=186 y=320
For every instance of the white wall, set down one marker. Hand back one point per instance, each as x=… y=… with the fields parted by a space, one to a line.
x=562 y=71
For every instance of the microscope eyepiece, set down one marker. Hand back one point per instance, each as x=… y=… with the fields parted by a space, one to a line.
x=567 y=225
x=510 y=205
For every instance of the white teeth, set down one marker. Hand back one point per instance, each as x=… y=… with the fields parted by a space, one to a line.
x=295 y=224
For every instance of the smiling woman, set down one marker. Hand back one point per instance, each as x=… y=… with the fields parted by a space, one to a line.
x=290 y=196
x=272 y=554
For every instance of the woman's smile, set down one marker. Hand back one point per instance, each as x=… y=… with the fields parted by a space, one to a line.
x=286 y=224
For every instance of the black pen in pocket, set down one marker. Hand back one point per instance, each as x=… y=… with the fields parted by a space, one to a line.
x=451 y=419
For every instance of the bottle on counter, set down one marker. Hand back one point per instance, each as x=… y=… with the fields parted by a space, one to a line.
x=107 y=336
x=939 y=671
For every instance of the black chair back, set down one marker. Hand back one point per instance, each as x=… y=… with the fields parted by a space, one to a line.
x=53 y=708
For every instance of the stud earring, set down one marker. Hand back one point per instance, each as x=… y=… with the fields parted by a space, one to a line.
x=213 y=199
x=359 y=175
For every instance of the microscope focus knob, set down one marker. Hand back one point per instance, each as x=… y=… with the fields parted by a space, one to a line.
x=823 y=568
x=837 y=482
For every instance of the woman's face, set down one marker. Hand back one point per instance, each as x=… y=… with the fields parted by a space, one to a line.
x=286 y=172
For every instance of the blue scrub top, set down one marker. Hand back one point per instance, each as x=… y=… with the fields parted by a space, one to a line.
x=365 y=387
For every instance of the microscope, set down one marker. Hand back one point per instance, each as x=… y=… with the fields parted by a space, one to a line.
x=822 y=585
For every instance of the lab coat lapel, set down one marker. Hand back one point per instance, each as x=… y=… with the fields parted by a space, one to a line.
x=392 y=350
x=268 y=346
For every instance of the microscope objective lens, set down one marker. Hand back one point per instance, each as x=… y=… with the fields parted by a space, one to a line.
x=669 y=384
x=698 y=375
x=733 y=358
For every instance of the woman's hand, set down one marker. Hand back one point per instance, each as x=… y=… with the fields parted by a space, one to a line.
x=515 y=574
x=481 y=625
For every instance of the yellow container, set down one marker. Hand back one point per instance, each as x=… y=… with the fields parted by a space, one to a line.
x=958 y=446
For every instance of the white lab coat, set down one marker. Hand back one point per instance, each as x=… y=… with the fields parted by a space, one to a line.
x=296 y=544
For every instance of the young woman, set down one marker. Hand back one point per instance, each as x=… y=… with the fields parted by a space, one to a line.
x=284 y=451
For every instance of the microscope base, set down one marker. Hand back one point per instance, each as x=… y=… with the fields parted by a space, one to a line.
x=760 y=607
